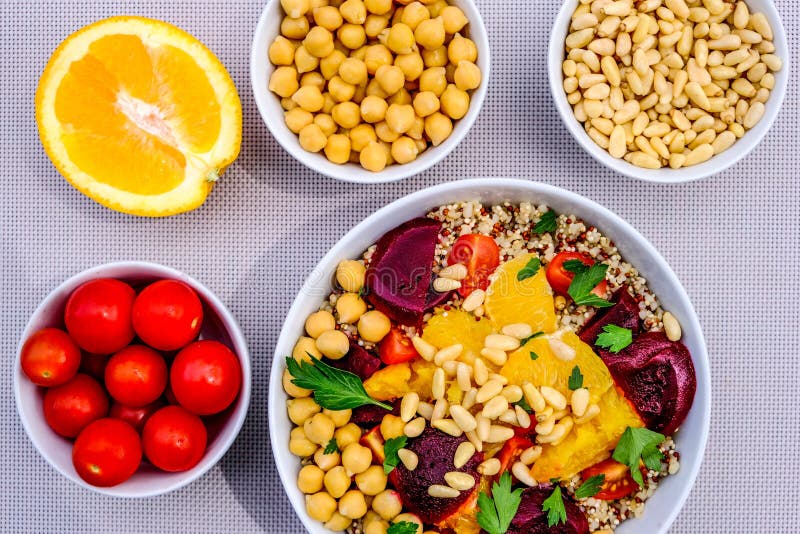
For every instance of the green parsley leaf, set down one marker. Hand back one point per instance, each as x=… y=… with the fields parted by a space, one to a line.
x=403 y=527
x=547 y=223
x=575 y=379
x=554 y=506
x=390 y=448
x=495 y=513
x=534 y=356
x=530 y=269
x=584 y=282
x=590 y=487
x=575 y=266
x=639 y=444
x=614 y=338
x=331 y=447
x=524 y=340
x=333 y=388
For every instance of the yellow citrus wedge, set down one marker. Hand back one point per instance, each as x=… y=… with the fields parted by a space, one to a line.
x=138 y=115
x=447 y=328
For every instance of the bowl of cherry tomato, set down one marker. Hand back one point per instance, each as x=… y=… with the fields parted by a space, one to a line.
x=132 y=379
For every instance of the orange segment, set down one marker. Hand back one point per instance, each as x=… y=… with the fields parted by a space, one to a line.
x=138 y=115
x=447 y=328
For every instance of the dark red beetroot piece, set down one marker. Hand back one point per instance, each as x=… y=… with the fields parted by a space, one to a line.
x=625 y=313
x=398 y=278
x=531 y=519
x=358 y=361
x=657 y=376
x=435 y=451
x=369 y=415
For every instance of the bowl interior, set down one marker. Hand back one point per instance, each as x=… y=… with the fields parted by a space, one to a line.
x=662 y=508
x=218 y=324
x=271 y=111
x=716 y=164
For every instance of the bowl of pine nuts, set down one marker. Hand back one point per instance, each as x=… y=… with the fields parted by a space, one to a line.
x=662 y=90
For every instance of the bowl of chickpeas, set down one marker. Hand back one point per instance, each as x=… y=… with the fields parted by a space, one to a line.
x=668 y=90
x=369 y=90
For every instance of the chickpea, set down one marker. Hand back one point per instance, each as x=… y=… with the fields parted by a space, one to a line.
x=467 y=75
x=461 y=49
x=400 y=98
x=404 y=150
x=309 y=479
x=297 y=118
x=376 y=527
x=353 y=11
x=398 y=13
x=377 y=55
x=288 y=104
x=373 y=108
x=299 y=410
x=319 y=322
x=392 y=426
x=374 y=325
x=338 y=522
x=302 y=447
x=292 y=389
x=374 y=25
x=349 y=433
x=352 y=36
x=321 y=506
x=410 y=518
x=340 y=90
x=373 y=158
x=390 y=78
x=435 y=8
x=413 y=14
x=337 y=481
x=387 y=504
x=346 y=114
x=400 y=39
x=350 y=275
x=426 y=103
x=281 y=51
x=295 y=8
x=312 y=139
x=309 y=98
x=385 y=133
x=328 y=17
x=327 y=107
x=455 y=102
x=372 y=481
x=283 y=81
x=422 y=144
x=435 y=58
x=326 y=124
x=326 y=461
x=353 y=71
x=319 y=42
x=353 y=505
x=400 y=117
x=438 y=127
x=360 y=136
x=334 y=344
x=350 y=307
x=430 y=33
x=319 y=429
x=294 y=28
x=410 y=64
x=387 y=151
x=314 y=79
x=361 y=92
x=378 y=7
x=314 y=4
x=453 y=19
x=304 y=347
x=339 y=417
x=433 y=79
x=338 y=148
x=416 y=132
x=329 y=66
x=304 y=61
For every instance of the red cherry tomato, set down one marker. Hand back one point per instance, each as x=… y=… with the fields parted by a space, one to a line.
x=68 y=408
x=174 y=439
x=167 y=315
x=136 y=375
x=50 y=357
x=480 y=254
x=560 y=279
x=107 y=452
x=396 y=347
x=511 y=451
x=205 y=377
x=98 y=315
x=136 y=417
x=618 y=481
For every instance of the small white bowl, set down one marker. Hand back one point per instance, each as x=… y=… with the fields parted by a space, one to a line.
x=269 y=104
x=148 y=481
x=672 y=492
x=717 y=163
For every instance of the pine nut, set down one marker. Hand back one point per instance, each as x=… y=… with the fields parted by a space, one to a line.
x=530 y=455
x=580 y=38
x=409 y=458
x=469 y=398
x=490 y=389
x=501 y=341
x=496 y=356
x=408 y=406
x=499 y=378
x=561 y=350
x=554 y=397
x=448 y=426
x=437 y=385
x=415 y=427
x=473 y=300
x=523 y=473
x=483 y=428
x=450 y=368
x=617 y=145
x=425 y=349
x=741 y=15
x=761 y=25
x=443 y=492
x=518 y=330
x=723 y=142
x=512 y=393
x=473 y=439
x=699 y=155
x=480 y=372
x=499 y=434
x=464 y=376
x=753 y=115
x=671 y=327
x=464 y=453
x=523 y=418
x=463 y=418
x=425 y=410
x=457 y=271
x=580 y=401
x=772 y=61
x=589 y=80
x=583 y=21
x=509 y=417
x=459 y=480
x=444 y=285
x=545 y=427
x=440 y=409
x=495 y=407
x=448 y=354
x=560 y=430
x=533 y=396
x=591 y=412
x=489 y=467
x=678 y=7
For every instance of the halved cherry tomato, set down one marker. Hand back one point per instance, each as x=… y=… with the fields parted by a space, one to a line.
x=511 y=451
x=480 y=254
x=618 y=482
x=107 y=452
x=396 y=347
x=50 y=357
x=560 y=279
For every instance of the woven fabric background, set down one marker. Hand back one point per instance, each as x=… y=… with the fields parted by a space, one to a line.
x=732 y=239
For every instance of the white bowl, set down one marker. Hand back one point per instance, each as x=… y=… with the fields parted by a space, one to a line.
x=717 y=163
x=218 y=324
x=271 y=111
x=664 y=506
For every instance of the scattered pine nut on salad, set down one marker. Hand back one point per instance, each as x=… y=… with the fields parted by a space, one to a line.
x=496 y=369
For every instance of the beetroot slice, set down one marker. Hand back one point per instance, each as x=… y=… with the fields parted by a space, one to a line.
x=435 y=451
x=657 y=376
x=624 y=313
x=399 y=275
x=369 y=415
x=532 y=519
x=358 y=361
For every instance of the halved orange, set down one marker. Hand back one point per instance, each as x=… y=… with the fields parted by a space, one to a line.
x=138 y=115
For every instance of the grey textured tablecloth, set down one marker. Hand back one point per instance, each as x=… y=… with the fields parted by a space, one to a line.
x=732 y=239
